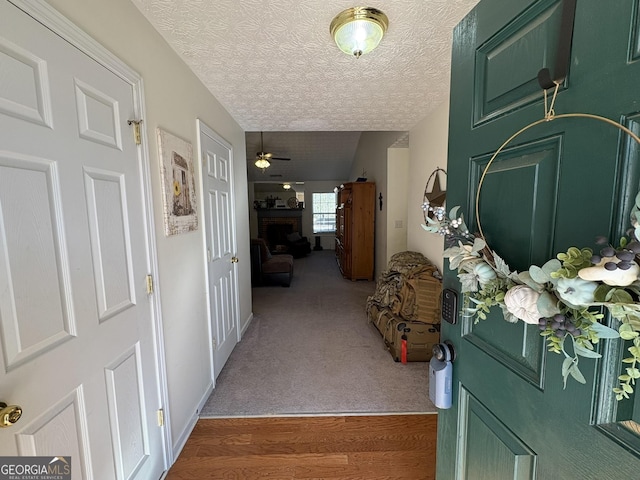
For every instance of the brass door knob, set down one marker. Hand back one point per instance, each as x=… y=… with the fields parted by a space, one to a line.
x=234 y=259
x=9 y=414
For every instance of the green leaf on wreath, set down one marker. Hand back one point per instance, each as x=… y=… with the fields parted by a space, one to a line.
x=635 y=351
x=603 y=331
x=566 y=365
x=600 y=293
x=501 y=266
x=634 y=321
x=478 y=244
x=551 y=268
x=574 y=252
x=619 y=295
x=633 y=372
x=585 y=352
x=627 y=332
x=577 y=374
x=538 y=275
x=468 y=282
x=547 y=304
x=508 y=316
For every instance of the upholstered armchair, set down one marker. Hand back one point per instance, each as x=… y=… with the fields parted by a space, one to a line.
x=268 y=268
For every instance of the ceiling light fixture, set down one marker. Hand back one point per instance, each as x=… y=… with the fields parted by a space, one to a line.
x=286 y=186
x=262 y=163
x=358 y=30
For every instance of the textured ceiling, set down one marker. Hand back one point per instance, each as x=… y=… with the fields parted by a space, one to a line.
x=273 y=65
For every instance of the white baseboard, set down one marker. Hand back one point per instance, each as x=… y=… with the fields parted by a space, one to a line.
x=186 y=433
x=246 y=325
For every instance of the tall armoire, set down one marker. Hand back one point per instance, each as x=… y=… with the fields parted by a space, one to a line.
x=355 y=220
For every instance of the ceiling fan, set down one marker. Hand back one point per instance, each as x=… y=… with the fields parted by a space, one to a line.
x=263 y=158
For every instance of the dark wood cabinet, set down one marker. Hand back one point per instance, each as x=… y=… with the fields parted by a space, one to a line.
x=355 y=234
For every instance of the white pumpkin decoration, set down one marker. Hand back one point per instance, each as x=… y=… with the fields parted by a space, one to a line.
x=522 y=301
x=615 y=278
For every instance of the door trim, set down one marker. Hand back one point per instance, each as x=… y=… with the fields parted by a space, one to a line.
x=203 y=128
x=61 y=26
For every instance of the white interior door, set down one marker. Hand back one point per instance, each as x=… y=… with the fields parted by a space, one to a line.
x=77 y=350
x=217 y=173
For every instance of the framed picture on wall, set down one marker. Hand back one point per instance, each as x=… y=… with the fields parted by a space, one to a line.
x=178 y=184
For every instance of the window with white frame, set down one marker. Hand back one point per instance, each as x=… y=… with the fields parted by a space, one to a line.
x=324 y=212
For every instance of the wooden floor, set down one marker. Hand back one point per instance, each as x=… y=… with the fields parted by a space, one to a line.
x=363 y=447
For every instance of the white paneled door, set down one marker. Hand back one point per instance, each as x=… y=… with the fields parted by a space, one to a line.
x=76 y=323
x=216 y=158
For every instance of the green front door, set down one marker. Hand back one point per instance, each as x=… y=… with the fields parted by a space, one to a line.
x=559 y=184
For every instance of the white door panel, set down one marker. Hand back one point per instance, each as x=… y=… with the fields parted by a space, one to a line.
x=216 y=159
x=76 y=322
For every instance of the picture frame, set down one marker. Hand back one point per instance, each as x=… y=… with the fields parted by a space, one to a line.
x=178 y=184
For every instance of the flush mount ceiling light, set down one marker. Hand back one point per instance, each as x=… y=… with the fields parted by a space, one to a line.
x=358 y=30
x=286 y=186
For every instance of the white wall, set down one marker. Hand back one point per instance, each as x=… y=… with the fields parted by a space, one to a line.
x=174 y=99
x=371 y=155
x=428 y=150
x=397 y=197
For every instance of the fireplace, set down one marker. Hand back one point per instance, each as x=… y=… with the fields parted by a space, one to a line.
x=277 y=233
x=274 y=225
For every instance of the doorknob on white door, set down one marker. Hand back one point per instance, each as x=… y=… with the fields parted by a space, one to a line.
x=234 y=259
x=9 y=414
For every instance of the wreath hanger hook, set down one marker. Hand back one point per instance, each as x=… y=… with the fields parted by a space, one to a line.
x=549 y=112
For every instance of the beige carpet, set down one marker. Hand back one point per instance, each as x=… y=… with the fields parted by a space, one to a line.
x=311 y=350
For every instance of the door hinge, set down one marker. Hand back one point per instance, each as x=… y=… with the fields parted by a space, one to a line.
x=204 y=159
x=214 y=343
x=136 y=130
x=160 y=414
x=149 y=284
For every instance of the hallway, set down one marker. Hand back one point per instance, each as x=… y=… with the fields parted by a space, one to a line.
x=310 y=350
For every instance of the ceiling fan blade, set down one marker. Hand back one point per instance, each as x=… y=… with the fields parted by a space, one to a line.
x=267 y=155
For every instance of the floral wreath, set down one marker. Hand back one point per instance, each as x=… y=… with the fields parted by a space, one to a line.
x=565 y=296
